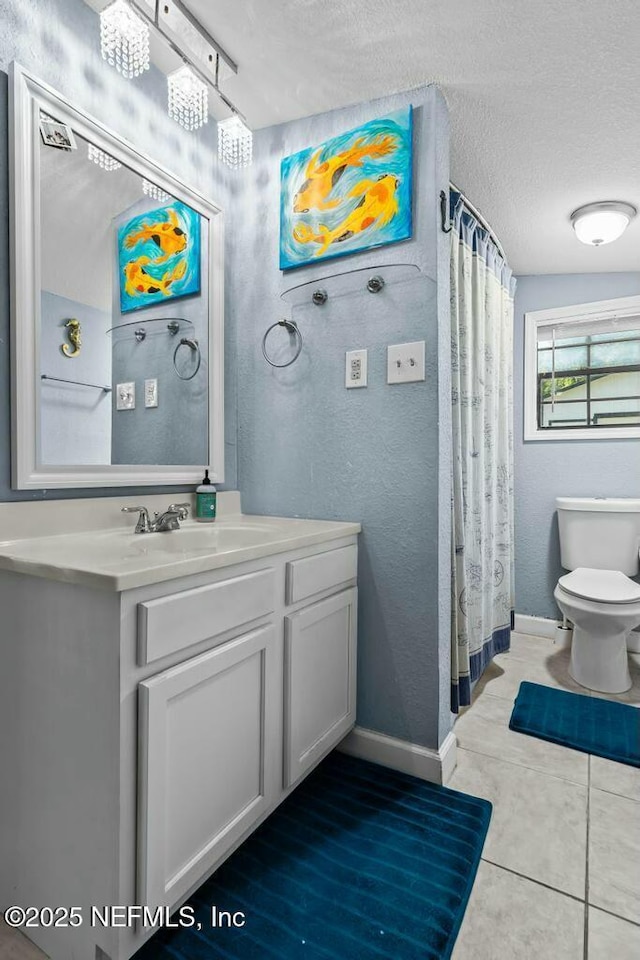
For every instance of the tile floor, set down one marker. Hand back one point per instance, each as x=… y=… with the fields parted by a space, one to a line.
x=560 y=872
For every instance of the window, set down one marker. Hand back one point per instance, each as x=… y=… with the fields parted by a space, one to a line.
x=582 y=371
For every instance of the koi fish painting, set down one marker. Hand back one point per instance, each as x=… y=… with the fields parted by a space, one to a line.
x=159 y=256
x=350 y=194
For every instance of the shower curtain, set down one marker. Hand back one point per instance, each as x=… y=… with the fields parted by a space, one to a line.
x=482 y=289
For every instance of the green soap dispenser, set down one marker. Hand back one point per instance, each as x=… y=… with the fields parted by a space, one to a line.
x=206 y=500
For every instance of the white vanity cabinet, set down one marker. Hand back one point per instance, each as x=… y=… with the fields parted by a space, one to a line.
x=208 y=755
x=319 y=680
x=145 y=733
x=319 y=658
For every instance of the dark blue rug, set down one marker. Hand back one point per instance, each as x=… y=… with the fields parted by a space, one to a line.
x=358 y=863
x=602 y=727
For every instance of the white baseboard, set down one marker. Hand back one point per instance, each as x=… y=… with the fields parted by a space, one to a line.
x=536 y=626
x=433 y=765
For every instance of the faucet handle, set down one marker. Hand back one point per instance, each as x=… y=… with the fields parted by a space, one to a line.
x=144 y=524
x=182 y=509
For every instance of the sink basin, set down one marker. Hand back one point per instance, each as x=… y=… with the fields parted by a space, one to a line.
x=209 y=538
x=105 y=550
x=119 y=559
x=108 y=550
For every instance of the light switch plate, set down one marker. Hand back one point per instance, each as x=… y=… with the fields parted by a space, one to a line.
x=405 y=362
x=355 y=374
x=151 y=393
x=126 y=396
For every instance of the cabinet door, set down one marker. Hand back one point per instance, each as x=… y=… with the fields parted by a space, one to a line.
x=209 y=760
x=320 y=680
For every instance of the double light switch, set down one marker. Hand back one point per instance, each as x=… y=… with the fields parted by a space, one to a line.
x=405 y=362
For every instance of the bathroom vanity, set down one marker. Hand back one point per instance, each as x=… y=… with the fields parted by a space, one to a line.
x=160 y=695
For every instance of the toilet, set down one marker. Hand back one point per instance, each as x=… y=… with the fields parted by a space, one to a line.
x=600 y=544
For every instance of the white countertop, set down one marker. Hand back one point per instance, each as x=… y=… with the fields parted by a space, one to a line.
x=118 y=559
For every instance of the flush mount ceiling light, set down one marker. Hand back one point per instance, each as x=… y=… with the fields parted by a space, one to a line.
x=188 y=98
x=124 y=39
x=102 y=159
x=600 y=223
x=235 y=142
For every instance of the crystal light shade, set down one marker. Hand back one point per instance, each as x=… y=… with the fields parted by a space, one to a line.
x=235 y=142
x=599 y=223
x=124 y=39
x=188 y=99
x=102 y=159
x=153 y=190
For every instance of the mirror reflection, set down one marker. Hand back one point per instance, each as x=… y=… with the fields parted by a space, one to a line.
x=124 y=308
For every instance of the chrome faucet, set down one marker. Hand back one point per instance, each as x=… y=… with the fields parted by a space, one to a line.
x=161 y=523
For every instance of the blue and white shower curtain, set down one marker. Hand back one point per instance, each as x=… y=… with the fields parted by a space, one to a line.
x=482 y=289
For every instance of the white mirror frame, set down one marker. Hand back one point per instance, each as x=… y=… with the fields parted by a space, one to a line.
x=27 y=96
x=624 y=307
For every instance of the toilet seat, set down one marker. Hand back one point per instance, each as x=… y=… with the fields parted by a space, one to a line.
x=603 y=586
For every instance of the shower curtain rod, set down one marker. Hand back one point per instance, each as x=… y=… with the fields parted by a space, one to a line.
x=481 y=220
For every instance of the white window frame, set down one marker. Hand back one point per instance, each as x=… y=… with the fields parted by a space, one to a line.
x=623 y=307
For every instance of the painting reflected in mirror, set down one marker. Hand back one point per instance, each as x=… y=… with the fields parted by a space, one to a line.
x=124 y=312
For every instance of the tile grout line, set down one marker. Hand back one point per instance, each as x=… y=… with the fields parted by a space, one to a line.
x=509 y=664
x=524 y=766
x=616 y=916
x=610 y=793
x=539 y=883
x=586 y=865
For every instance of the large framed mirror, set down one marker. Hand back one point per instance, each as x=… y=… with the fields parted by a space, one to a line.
x=117 y=307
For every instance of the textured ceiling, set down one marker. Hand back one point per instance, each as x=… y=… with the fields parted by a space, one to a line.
x=544 y=98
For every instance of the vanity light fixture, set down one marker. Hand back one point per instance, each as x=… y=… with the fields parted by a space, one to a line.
x=125 y=26
x=124 y=39
x=153 y=190
x=102 y=159
x=188 y=98
x=599 y=223
x=235 y=142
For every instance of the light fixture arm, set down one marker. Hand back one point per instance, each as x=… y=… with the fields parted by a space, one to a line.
x=204 y=33
x=220 y=53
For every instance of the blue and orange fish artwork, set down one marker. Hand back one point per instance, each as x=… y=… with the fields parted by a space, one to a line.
x=350 y=194
x=159 y=256
x=138 y=280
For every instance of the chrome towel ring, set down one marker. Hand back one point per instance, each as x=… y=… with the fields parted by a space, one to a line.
x=292 y=327
x=193 y=344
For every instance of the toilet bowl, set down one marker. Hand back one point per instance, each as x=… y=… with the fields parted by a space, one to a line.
x=600 y=543
x=604 y=607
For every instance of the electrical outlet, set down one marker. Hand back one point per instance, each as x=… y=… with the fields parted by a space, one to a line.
x=405 y=362
x=125 y=396
x=151 y=393
x=355 y=369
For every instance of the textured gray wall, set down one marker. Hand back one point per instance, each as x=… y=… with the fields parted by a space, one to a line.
x=309 y=447
x=59 y=41
x=548 y=469
x=75 y=424
x=176 y=430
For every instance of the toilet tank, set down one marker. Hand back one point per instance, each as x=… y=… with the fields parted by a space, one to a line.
x=599 y=532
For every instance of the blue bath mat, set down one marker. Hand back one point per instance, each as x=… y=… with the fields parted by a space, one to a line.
x=602 y=727
x=358 y=863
